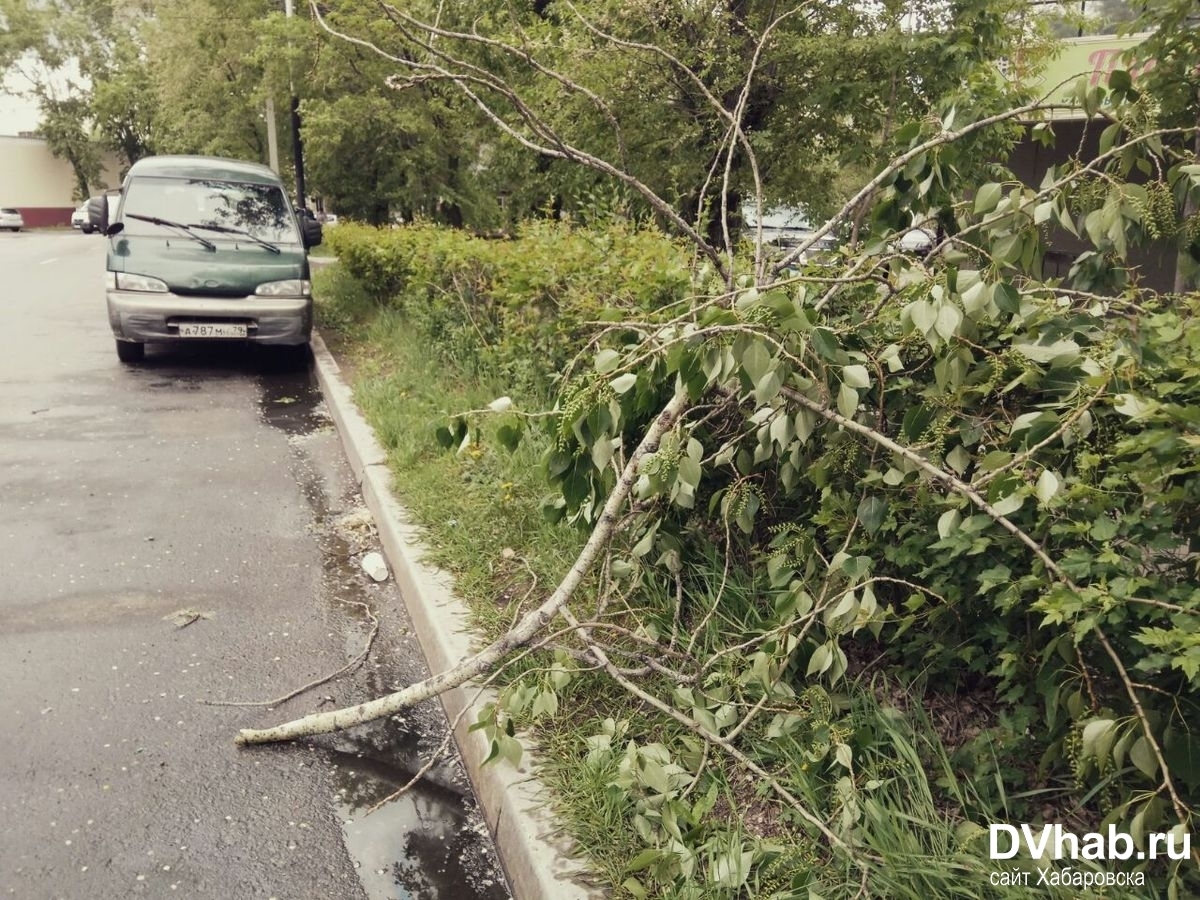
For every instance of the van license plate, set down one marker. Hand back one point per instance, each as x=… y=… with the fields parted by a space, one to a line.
x=212 y=330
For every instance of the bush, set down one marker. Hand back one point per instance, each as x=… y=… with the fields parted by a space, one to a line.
x=517 y=308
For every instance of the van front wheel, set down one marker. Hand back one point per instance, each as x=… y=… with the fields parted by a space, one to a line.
x=130 y=351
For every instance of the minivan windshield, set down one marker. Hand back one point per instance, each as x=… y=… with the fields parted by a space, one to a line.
x=259 y=210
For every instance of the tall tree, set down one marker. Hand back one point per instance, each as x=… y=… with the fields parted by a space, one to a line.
x=202 y=57
x=66 y=126
x=23 y=29
x=124 y=102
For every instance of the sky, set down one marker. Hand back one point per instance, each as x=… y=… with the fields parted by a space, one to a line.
x=17 y=115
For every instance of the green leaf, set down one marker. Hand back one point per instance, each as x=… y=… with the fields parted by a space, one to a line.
x=1108 y=137
x=756 y=361
x=820 y=661
x=843 y=755
x=847 y=401
x=545 y=704
x=1098 y=737
x=607 y=360
x=824 y=342
x=872 y=510
x=994 y=460
x=768 y=386
x=1009 y=505
x=1133 y=406
x=654 y=776
x=987 y=197
x=1007 y=250
x=689 y=471
x=1047 y=486
x=923 y=315
x=1006 y=298
x=856 y=376
x=622 y=383
x=644 y=860
x=1142 y=756
x=1104 y=528
x=493 y=753
x=916 y=420
x=949 y=318
x=958 y=459
x=511 y=750
x=602 y=453
x=948 y=523
x=509 y=435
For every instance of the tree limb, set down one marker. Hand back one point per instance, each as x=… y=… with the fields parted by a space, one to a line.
x=525 y=631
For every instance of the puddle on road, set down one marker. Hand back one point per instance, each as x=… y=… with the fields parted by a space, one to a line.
x=431 y=843
x=291 y=402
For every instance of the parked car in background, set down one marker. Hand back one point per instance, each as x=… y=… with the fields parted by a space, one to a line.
x=10 y=218
x=785 y=227
x=204 y=249
x=79 y=219
x=916 y=240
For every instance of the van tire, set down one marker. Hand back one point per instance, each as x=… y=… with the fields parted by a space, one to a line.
x=131 y=351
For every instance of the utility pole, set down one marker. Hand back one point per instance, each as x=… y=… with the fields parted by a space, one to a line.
x=297 y=144
x=272 y=141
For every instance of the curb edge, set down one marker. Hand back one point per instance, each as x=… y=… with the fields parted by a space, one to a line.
x=533 y=849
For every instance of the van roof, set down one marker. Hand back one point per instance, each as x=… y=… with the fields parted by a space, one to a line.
x=213 y=167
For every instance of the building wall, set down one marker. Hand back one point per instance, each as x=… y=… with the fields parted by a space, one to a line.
x=39 y=184
x=1153 y=263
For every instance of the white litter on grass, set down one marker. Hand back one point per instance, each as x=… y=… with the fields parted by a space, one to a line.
x=374 y=565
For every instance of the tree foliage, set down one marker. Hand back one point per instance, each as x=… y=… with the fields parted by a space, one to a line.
x=945 y=466
x=65 y=126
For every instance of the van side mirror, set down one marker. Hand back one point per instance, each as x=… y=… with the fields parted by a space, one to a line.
x=310 y=231
x=97 y=209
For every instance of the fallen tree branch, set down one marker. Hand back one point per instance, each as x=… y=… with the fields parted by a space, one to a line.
x=959 y=486
x=530 y=626
x=716 y=741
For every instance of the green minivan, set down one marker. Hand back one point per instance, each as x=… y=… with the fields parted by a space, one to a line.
x=202 y=249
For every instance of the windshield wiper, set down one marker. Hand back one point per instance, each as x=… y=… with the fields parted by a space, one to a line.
x=225 y=229
x=155 y=220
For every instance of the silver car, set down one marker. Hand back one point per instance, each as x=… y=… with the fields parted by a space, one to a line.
x=10 y=218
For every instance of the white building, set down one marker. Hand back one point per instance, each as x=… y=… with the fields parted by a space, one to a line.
x=39 y=184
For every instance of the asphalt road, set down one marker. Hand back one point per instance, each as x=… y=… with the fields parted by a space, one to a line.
x=207 y=487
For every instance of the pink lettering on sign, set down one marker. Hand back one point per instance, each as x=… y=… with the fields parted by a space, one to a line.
x=1103 y=62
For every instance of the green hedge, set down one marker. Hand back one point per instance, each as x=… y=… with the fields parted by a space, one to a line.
x=517 y=307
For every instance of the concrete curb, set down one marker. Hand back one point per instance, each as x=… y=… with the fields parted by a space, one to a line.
x=533 y=848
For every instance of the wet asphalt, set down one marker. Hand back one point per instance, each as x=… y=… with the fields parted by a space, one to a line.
x=173 y=535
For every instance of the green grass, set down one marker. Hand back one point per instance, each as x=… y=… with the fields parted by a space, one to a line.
x=473 y=504
x=481 y=508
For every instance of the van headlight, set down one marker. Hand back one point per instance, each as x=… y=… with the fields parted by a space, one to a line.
x=127 y=281
x=293 y=287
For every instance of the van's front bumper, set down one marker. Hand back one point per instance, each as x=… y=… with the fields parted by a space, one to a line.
x=147 y=317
